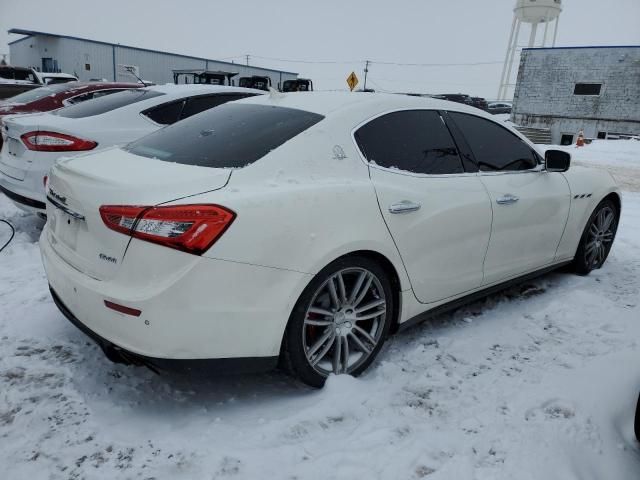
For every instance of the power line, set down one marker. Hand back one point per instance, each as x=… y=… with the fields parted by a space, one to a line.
x=436 y=64
x=307 y=61
x=377 y=62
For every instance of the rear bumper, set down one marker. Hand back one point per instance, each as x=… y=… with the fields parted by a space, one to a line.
x=26 y=203
x=206 y=309
x=24 y=193
x=120 y=355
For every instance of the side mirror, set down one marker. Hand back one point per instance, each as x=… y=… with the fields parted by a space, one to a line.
x=557 y=160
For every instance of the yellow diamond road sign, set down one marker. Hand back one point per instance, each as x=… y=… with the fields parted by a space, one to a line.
x=352 y=81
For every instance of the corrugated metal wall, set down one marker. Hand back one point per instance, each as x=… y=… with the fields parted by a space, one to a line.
x=88 y=60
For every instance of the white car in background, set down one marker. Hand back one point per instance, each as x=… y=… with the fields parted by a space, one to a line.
x=306 y=227
x=32 y=143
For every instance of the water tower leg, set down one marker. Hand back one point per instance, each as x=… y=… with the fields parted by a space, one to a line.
x=532 y=37
x=506 y=58
x=512 y=54
x=546 y=27
x=555 y=32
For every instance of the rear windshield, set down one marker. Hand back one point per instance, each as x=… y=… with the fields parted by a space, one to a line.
x=38 y=93
x=106 y=103
x=229 y=136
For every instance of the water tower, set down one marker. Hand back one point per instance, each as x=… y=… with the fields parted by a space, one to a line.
x=533 y=13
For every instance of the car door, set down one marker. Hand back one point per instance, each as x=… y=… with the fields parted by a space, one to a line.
x=530 y=205
x=438 y=214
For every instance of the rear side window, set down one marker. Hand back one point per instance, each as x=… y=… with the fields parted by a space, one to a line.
x=169 y=113
x=494 y=147
x=414 y=141
x=107 y=103
x=165 y=114
x=89 y=96
x=229 y=136
x=205 y=102
x=38 y=93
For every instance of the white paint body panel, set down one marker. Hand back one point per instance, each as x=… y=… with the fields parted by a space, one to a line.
x=299 y=208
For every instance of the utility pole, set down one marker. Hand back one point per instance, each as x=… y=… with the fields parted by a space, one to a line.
x=247 y=60
x=366 y=70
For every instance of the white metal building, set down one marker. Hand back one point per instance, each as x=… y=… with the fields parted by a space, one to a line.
x=567 y=89
x=92 y=59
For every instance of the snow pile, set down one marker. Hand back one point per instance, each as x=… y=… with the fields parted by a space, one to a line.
x=620 y=157
x=538 y=382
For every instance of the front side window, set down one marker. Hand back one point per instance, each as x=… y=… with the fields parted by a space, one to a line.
x=229 y=136
x=414 y=141
x=494 y=147
x=107 y=103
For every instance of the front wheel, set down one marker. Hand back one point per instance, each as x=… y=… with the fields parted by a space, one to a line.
x=597 y=238
x=340 y=321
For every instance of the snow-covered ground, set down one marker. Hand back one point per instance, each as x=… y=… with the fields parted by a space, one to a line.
x=538 y=382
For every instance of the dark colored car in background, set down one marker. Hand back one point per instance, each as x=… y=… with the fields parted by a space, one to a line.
x=480 y=103
x=455 y=97
x=499 y=107
x=477 y=102
x=52 y=97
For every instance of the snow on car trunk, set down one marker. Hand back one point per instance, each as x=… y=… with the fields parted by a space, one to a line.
x=79 y=186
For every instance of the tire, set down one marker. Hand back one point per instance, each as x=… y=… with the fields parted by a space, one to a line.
x=637 y=421
x=597 y=238
x=331 y=313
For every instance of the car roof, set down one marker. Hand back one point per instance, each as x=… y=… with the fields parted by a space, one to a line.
x=326 y=103
x=195 y=88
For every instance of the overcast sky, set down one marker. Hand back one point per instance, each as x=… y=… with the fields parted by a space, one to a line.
x=346 y=31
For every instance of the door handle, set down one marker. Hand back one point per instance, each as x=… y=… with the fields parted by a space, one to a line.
x=405 y=206
x=507 y=199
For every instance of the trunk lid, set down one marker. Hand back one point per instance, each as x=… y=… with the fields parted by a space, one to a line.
x=16 y=159
x=79 y=186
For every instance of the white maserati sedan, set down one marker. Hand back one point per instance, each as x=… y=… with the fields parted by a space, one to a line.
x=34 y=142
x=304 y=228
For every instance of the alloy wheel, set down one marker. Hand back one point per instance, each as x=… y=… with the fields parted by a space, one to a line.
x=600 y=237
x=344 y=322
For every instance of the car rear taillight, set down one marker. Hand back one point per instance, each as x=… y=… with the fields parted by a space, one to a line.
x=55 y=142
x=190 y=228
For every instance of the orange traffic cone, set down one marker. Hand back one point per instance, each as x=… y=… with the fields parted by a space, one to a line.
x=580 y=140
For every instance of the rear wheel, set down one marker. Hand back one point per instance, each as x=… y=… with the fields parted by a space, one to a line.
x=597 y=238
x=637 y=421
x=340 y=321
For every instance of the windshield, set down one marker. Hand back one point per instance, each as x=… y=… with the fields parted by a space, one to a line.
x=38 y=93
x=229 y=136
x=106 y=103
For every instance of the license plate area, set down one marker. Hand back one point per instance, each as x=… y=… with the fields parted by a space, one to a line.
x=65 y=228
x=14 y=147
x=12 y=161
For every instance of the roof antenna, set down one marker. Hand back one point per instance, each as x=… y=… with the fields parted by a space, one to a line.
x=132 y=70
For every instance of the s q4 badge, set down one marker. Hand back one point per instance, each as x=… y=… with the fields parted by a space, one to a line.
x=107 y=258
